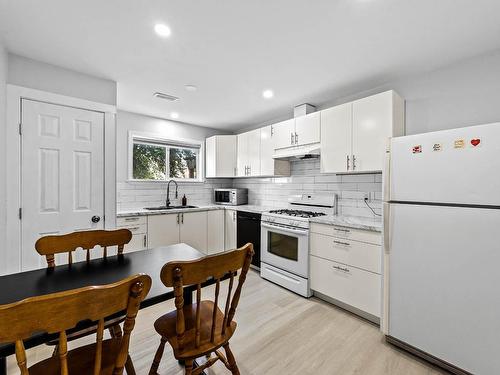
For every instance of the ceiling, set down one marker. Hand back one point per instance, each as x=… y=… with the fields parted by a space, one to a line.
x=306 y=51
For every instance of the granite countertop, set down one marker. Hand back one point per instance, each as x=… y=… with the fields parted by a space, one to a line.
x=356 y=222
x=243 y=207
x=344 y=221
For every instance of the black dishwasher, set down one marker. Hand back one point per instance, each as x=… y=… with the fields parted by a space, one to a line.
x=248 y=230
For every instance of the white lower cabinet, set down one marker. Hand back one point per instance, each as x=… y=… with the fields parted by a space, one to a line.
x=203 y=230
x=193 y=229
x=230 y=229
x=346 y=266
x=163 y=230
x=350 y=285
x=138 y=226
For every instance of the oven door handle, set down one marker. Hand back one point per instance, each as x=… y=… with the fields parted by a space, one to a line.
x=290 y=230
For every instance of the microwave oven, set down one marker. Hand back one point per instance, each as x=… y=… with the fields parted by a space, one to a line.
x=232 y=197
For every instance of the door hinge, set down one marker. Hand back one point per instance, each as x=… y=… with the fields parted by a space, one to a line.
x=20 y=213
x=20 y=129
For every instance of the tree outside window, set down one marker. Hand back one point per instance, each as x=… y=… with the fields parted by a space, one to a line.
x=150 y=161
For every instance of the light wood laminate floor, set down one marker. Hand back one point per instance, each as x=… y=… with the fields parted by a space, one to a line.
x=279 y=333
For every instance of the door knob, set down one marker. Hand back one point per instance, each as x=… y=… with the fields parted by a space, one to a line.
x=96 y=219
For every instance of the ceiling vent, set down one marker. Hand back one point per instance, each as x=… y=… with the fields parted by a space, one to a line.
x=161 y=95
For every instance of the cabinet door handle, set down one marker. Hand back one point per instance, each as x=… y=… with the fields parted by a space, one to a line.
x=182 y=218
x=234 y=215
x=341 y=230
x=296 y=138
x=249 y=170
x=272 y=131
x=291 y=138
x=131 y=218
x=347 y=162
x=178 y=219
x=145 y=241
x=342 y=243
x=353 y=162
x=133 y=228
x=343 y=269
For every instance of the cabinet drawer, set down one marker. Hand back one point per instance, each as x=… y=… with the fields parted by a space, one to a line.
x=350 y=285
x=345 y=232
x=358 y=254
x=137 y=229
x=138 y=242
x=130 y=221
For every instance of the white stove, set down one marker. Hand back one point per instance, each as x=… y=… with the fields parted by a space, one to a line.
x=285 y=241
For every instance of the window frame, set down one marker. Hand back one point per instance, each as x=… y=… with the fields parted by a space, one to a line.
x=151 y=138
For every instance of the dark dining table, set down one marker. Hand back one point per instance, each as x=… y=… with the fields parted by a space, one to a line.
x=18 y=286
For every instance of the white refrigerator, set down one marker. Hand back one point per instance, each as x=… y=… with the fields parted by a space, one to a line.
x=442 y=247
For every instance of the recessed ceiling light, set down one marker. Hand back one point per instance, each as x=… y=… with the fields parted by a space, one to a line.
x=191 y=87
x=174 y=115
x=268 y=94
x=162 y=30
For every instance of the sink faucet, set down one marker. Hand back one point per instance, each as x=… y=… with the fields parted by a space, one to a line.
x=167 y=203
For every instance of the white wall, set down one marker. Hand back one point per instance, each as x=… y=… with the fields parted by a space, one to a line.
x=34 y=74
x=462 y=94
x=3 y=80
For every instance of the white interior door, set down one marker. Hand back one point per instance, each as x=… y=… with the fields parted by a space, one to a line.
x=62 y=185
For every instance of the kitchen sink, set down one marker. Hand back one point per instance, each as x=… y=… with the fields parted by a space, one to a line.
x=159 y=208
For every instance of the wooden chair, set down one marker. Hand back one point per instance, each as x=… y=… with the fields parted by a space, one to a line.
x=59 y=312
x=49 y=246
x=201 y=329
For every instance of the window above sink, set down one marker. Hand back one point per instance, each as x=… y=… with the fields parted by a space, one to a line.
x=155 y=158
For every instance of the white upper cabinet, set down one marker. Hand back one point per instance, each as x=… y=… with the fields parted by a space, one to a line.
x=268 y=165
x=284 y=134
x=249 y=153
x=336 y=135
x=307 y=129
x=354 y=135
x=221 y=156
x=374 y=119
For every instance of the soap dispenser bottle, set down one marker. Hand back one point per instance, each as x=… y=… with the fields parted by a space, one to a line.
x=184 y=200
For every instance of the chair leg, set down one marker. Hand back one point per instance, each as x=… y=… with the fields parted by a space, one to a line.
x=189 y=366
x=157 y=359
x=129 y=366
x=231 y=360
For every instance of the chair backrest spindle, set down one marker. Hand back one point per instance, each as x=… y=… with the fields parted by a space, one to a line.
x=198 y=318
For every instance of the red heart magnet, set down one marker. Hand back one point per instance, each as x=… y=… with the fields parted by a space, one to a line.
x=475 y=142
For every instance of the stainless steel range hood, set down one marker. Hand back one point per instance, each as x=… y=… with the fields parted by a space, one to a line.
x=298 y=152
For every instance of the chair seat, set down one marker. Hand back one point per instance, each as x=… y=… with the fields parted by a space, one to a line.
x=81 y=360
x=166 y=327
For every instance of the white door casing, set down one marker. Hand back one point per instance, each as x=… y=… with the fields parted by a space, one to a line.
x=62 y=173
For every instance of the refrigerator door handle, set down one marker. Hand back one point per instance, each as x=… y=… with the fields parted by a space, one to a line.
x=386 y=175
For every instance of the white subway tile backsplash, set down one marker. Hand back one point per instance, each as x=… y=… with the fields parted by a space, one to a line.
x=270 y=191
